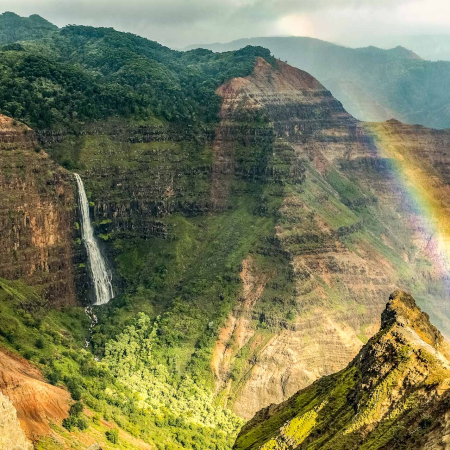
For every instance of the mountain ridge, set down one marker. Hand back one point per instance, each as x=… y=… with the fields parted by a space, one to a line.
x=367 y=80
x=391 y=388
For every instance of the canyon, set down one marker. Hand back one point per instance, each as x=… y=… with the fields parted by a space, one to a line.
x=262 y=245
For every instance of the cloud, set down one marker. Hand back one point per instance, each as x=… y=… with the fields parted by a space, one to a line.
x=183 y=22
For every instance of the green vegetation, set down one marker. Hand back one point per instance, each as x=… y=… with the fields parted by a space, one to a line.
x=14 y=28
x=113 y=436
x=81 y=74
x=128 y=386
x=76 y=418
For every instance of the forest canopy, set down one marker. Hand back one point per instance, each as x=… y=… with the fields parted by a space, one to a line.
x=84 y=73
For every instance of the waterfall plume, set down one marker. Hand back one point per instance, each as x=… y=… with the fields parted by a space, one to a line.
x=100 y=276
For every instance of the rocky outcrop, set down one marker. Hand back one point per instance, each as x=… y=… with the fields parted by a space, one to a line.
x=12 y=436
x=37 y=216
x=394 y=394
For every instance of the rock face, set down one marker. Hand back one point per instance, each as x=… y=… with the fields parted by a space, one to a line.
x=351 y=230
x=394 y=394
x=12 y=436
x=37 y=216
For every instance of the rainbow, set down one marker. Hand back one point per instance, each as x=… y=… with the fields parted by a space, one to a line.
x=424 y=187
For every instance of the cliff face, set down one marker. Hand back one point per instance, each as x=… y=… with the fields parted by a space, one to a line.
x=337 y=229
x=37 y=216
x=351 y=232
x=394 y=394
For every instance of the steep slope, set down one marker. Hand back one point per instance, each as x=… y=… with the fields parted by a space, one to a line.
x=38 y=403
x=372 y=84
x=37 y=217
x=394 y=394
x=341 y=232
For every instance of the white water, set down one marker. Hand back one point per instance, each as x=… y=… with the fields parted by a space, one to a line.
x=100 y=276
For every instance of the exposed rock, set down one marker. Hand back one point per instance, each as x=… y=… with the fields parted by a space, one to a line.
x=37 y=216
x=343 y=265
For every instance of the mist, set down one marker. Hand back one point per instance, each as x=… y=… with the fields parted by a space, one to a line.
x=179 y=23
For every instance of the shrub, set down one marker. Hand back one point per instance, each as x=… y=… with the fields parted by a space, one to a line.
x=82 y=424
x=69 y=423
x=28 y=354
x=113 y=435
x=53 y=377
x=74 y=390
x=76 y=409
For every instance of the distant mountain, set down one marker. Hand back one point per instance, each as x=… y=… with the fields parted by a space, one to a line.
x=434 y=47
x=394 y=394
x=373 y=84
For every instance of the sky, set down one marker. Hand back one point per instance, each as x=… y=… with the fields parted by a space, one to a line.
x=178 y=23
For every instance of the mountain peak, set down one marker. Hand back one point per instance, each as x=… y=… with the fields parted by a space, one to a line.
x=14 y=28
x=400 y=51
x=403 y=311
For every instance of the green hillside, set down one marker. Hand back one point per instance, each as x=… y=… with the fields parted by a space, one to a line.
x=372 y=84
x=14 y=28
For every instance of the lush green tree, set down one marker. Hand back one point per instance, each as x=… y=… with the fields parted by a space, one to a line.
x=113 y=435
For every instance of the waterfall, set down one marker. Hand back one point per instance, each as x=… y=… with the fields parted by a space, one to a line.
x=100 y=276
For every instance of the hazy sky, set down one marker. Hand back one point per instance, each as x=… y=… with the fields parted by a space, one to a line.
x=178 y=23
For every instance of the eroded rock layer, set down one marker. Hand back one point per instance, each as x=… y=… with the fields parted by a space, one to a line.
x=37 y=216
x=351 y=230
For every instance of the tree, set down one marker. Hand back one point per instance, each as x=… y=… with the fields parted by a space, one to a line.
x=113 y=435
